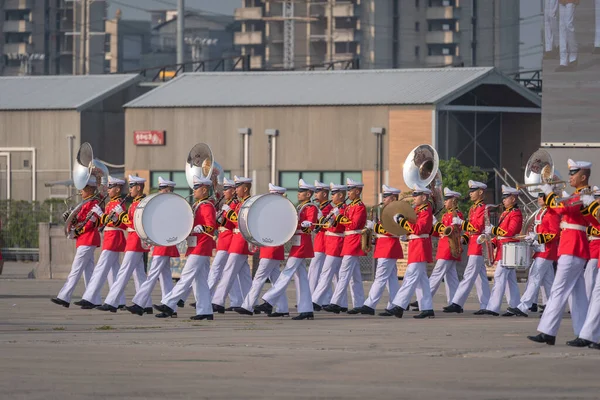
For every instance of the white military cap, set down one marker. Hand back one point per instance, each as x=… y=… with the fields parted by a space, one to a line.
x=238 y=180
x=474 y=185
x=337 y=188
x=92 y=181
x=112 y=181
x=596 y=191
x=302 y=184
x=451 y=193
x=135 y=180
x=201 y=181
x=421 y=189
x=228 y=183
x=351 y=183
x=389 y=190
x=509 y=191
x=577 y=165
x=276 y=189
x=165 y=182
x=321 y=185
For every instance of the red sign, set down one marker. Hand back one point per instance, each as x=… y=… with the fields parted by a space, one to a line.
x=149 y=138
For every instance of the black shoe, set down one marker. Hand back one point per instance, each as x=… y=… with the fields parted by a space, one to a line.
x=542 y=307
x=243 y=311
x=165 y=315
x=60 y=302
x=594 y=346
x=279 y=314
x=265 y=307
x=480 y=312
x=80 y=302
x=453 y=308
x=193 y=305
x=492 y=313
x=135 y=309
x=86 y=305
x=334 y=308
x=121 y=307
x=397 y=311
x=163 y=308
x=533 y=308
x=425 y=314
x=508 y=314
x=367 y=310
x=217 y=308
x=231 y=308
x=304 y=315
x=386 y=313
x=148 y=310
x=579 y=342
x=414 y=304
x=344 y=309
x=107 y=307
x=354 y=311
x=317 y=307
x=181 y=304
x=543 y=338
x=517 y=312
x=208 y=317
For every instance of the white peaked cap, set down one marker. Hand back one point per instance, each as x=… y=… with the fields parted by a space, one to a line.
x=321 y=185
x=477 y=185
x=241 y=179
x=115 y=181
x=302 y=184
x=351 y=183
x=228 y=183
x=389 y=190
x=198 y=181
x=451 y=193
x=575 y=165
x=136 y=179
x=507 y=190
x=165 y=182
x=337 y=188
x=421 y=189
x=276 y=189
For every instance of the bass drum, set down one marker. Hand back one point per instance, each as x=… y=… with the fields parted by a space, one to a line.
x=268 y=220
x=163 y=219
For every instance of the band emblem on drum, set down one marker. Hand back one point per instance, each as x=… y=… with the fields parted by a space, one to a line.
x=267 y=240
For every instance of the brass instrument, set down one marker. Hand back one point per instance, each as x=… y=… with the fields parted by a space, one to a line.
x=422 y=167
x=201 y=163
x=540 y=171
x=452 y=232
x=393 y=208
x=486 y=240
x=367 y=235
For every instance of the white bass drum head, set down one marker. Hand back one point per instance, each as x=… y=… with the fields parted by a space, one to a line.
x=271 y=220
x=165 y=218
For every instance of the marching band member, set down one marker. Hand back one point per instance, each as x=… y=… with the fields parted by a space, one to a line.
x=160 y=268
x=509 y=225
x=302 y=248
x=387 y=252
x=420 y=252
x=354 y=218
x=268 y=267
x=475 y=272
x=133 y=261
x=334 y=241
x=544 y=238
x=87 y=239
x=573 y=253
x=200 y=248
x=316 y=264
x=236 y=266
x=591 y=268
x=113 y=243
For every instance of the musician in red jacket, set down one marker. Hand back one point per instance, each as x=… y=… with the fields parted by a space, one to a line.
x=544 y=238
x=87 y=239
x=133 y=261
x=160 y=268
x=387 y=252
x=113 y=244
x=420 y=252
x=302 y=248
x=591 y=267
x=268 y=267
x=316 y=264
x=354 y=218
x=509 y=225
x=200 y=248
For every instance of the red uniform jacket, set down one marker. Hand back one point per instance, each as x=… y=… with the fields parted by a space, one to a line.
x=306 y=212
x=114 y=237
x=443 y=249
x=593 y=232
x=226 y=229
x=88 y=234
x=573 y=238
x=510 y=224
x=169 y=251
x=474 y=227
x=354 y=219
x=419 y=238
x=238 y=244
x=547 y=227
x=126 y=219
x=272 y=253
x=205 y=215
x=334 y=235
x=386 y=244
x=325 y=209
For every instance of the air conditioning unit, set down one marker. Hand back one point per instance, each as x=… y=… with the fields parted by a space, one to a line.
x=446 y=51
x=445 y=27
x=446 y=3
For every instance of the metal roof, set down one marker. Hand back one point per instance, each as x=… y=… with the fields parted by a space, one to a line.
x=59 y=92
x=310 y=88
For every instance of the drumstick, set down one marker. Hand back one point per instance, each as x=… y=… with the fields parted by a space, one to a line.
x=210 y=236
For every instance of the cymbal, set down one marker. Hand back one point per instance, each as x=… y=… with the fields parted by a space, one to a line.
x=397 y=207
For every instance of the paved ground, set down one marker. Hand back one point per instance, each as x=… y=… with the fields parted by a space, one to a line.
x=49 y=352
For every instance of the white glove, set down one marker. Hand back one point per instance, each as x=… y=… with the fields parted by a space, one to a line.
x=457 y=221
x=335 y=211
x=587 y=199
x=547 y=189
x=71 y=235
x=198 y=229
x=488 y=230
x=115 y=218
x=118 y=209
x=398 y=217
x=225 y=208
x=370 y=224
x=93 y=218
x=306 y=224
x=97 y=210
x=434 y=219
x=531 y=237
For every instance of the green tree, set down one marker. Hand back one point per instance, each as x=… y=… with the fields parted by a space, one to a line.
x=456 y=176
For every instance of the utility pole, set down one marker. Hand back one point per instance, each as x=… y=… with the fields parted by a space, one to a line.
x=288 y=34
x=180 y=28
x=83 y=29
x=330 y=42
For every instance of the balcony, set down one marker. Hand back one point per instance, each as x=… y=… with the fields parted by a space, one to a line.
x=247 y=38
x=17 y=48
x=441 y=37
x=439 y=61
x=344 y=35
x=18 y=4
x=344 y=10
x=248 y=14
x=17 y=26
x=443 y=13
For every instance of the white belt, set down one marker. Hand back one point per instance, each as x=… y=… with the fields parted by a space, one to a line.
x=575 y=227
x=222 y=229
x=112 y=228
x=130 y=230
x=592 y=238
x=327 y=233
x=347 y=233
x=380 y=236
x=236 y=230
x=413 y=237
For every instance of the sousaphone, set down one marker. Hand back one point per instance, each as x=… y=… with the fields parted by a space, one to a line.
x=200 y=162
x=540 y=171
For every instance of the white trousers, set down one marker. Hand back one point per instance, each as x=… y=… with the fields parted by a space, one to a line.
x=567 y=40
x=386 y=275
x=589 y=276
x=444 y=269
x=216 y=272
x=194 y=272
x=331 y=268
x=349 y=275
x=295 y=267
x=235 y=268
x=133 y=264
x=415 y=280
x=504 y=277
x=591 y=328
x=267 y=268
x=541 y=274
x=568 y=282
x=83 y=263
x=475 y=274
x=551 y=24
x=160 y=268
x=106 y=269
x=314 y=273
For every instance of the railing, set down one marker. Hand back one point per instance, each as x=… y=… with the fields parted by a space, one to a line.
x=526 y=200
x=531 y=79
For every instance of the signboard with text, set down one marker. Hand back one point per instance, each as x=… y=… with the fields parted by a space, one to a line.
x=149 y=138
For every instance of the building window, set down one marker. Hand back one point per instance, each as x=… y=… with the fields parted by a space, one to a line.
x=178 y=177
x=289 y=179
x=417 y=27
x=417 y=51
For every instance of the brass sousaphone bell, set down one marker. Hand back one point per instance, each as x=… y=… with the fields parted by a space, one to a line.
x=201 y=163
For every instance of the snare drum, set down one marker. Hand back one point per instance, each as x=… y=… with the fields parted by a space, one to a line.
x=517 y=255
x=267 y=220
x=163 y=219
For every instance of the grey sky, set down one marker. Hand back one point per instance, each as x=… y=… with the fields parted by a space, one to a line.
x=134 y=9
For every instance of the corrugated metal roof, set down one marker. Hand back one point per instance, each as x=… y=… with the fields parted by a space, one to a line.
x=309 y=88
x=59 y=92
